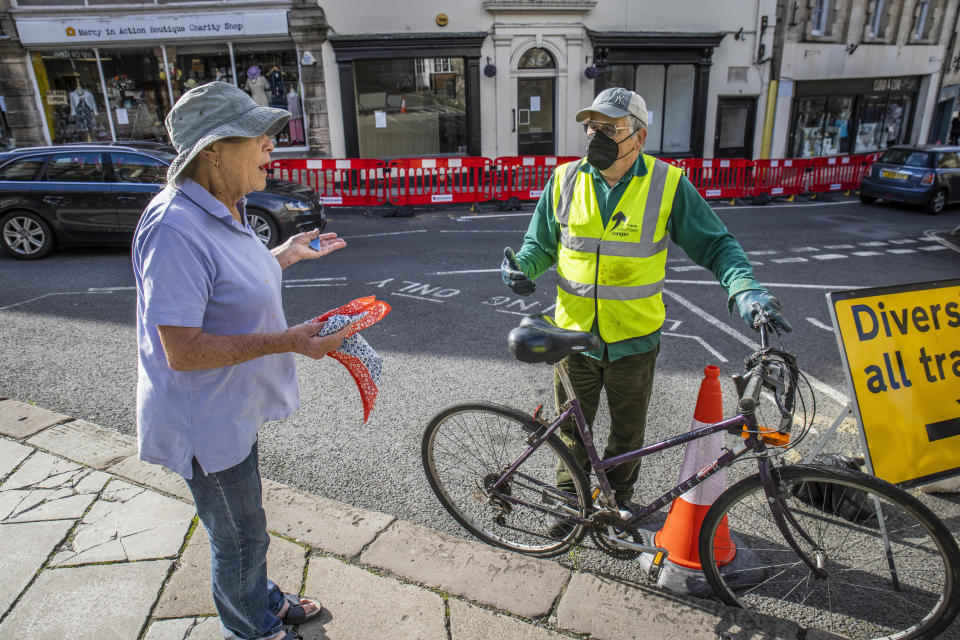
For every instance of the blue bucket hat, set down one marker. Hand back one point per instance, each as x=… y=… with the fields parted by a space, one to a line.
x=212 y=112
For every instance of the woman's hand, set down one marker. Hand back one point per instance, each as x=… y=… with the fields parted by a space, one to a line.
x=298 y=248
x=306 y=340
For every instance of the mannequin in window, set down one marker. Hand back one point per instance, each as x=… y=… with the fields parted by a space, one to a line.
x=277 y=93
x=257 y=86
x=296 y=120
x=82 y=108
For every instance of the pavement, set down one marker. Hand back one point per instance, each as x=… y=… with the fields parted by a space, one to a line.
x=99 y=545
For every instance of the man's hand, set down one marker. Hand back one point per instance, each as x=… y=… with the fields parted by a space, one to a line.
x=745 y=301
x=513 y=276
x=306 y=341
x=298 y=247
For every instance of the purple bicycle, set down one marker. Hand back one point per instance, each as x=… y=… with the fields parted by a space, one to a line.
x=827 y=548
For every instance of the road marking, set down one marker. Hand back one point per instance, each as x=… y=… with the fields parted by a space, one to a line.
x=501 y=215
x=452 y=273
x=933 y=247
x=312 y=280
x=106 y=289
x=820 y=386
x=407 y=295
x=763 y=252
x=46 y=295
x=829 y=256
x=778 y=285
x=390 y=233
x=804 y=249
x=483 y=231
x=789 y=260
x=901 y=250
x=316 y=284
x=864 y=254
x=784 y=206
x=819 y=324
x=903 y=241
x=703 y=343
x=515 y=313
x=689 y=267
x=873 y=243
x=838 y=246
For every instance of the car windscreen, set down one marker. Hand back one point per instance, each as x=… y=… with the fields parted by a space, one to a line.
x=907 y=157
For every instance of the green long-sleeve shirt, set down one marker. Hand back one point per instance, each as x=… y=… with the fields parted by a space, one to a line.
x=693 y=226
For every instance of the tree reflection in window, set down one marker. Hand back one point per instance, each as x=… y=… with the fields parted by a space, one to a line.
x=536 y=58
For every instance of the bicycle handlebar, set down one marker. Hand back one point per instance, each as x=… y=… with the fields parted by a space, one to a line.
x=778 y=375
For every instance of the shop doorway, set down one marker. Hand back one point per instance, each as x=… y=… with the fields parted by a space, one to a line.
x=535 y=117
x=735 y=121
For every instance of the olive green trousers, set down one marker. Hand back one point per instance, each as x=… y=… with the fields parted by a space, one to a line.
x=628 y=382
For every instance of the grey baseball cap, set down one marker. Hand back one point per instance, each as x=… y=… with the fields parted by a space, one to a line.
x=616 y=102
x=212 y=112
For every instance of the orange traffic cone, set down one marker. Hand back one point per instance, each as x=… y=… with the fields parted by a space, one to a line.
x=403 y=104
x=681 y=532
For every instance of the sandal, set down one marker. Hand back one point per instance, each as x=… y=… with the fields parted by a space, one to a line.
x=295 y=612
x=290 y=635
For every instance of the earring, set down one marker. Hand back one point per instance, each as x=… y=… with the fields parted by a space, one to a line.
x=216 y=163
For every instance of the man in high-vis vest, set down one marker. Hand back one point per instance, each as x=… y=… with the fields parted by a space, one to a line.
x=605 y=221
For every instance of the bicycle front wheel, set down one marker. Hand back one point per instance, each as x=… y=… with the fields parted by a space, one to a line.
x=467 y=448
x=904 y=588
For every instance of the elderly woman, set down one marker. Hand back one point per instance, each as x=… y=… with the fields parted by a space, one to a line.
x=215 y=353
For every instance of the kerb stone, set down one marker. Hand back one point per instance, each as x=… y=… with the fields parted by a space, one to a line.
x=326 y=524
x=107 y=602
x=364 y=606
x=611 y=610
x=20 y=420
x=86 y=443
x=521 y=585
x=468 y=622
x=153 y=476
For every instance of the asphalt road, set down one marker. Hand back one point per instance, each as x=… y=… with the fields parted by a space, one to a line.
x=68 y=340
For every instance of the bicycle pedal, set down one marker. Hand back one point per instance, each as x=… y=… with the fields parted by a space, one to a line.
x=656 y=564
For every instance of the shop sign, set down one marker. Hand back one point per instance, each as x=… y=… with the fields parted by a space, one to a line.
x=56 y=97
x=76 y=54
x=103 y=29
x=905 y=84
x=900 y=348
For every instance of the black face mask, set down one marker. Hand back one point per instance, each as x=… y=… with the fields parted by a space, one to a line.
x=602 y=150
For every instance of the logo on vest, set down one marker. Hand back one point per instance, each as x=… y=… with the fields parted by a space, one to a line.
x=618 y=217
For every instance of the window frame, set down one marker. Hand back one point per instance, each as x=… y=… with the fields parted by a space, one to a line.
x=115 y=173
x=819 y=18
x=923 y=17
x=877 y=28
x=53 y=156
x=40 y=168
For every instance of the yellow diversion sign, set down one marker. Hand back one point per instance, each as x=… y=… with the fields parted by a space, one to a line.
x=901 y=349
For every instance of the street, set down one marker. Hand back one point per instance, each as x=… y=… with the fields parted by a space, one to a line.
x=69 y=340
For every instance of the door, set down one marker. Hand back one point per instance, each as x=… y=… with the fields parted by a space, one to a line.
x=735 y=119
x=535 y=117
x=137 y=178
x=75 y=192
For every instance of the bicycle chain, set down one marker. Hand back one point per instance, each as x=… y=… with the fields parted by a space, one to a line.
x=599 y=522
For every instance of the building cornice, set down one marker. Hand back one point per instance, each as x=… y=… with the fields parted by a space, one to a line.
x=533 y=6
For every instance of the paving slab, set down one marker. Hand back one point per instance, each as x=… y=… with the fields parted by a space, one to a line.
x=612 y=610
x=106 y=602
x=21 y=420
x=11 y=454
x=188 y=593
x=128 y=523
x=153 y=476
x=86 y=443
x=46 y=487
x=360 y=605
x=185 y=629
x=326 y=524
x=21 y=560
x=521 y=585
x=469 y=622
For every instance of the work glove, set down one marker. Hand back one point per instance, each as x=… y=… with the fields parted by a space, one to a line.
x=513 y=276
x=768 y=303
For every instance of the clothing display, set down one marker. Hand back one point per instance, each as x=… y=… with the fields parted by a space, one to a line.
x=363 y=363
x=296 y=120
x=257 y=88
x=278 y=94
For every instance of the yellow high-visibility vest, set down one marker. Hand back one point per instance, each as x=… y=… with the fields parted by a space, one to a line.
x=614 y=274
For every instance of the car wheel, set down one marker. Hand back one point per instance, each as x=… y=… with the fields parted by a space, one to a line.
x=26 y=235
x=264 y=227
x=937 y=202
x=867 y=199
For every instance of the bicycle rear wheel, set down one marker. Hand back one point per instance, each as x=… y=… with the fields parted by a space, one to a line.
x=467 y=448
x=861 y=597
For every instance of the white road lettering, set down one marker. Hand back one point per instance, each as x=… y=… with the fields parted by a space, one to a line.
x=789 y=260
x=829 y=256
x=901 y=250
x=390 y=233
x=864 y=254
x=819 y=325
x=381 y=283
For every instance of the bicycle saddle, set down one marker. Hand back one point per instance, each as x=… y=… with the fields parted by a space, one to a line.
x=539 y=339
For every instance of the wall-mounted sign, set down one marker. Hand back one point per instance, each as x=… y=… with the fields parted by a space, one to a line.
x=105 y=29
x=901 y=348
x=56 y=97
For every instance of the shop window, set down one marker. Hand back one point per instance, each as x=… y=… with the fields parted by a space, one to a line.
x=405 y=108
x=133 y=167
x=270 y=74
x=21 y=170
x=822 y=127
x=881 y=121
x=668 y=131
x=199 y=65
x=75 y=167
x=69 y=85
x=536 y=58
x=139 y=98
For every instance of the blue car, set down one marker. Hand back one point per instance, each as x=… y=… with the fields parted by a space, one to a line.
x=93 y=195
x=927 y=175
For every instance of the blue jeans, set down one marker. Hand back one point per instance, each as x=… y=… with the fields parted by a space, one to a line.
x=230 y=505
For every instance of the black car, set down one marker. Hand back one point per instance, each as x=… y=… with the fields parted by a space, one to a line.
x=93 y=194
x=927 y=175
